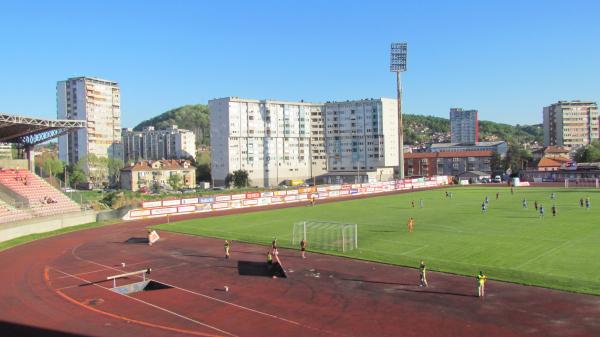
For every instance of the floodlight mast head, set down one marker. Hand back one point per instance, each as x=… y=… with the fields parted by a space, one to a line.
x=398 y=57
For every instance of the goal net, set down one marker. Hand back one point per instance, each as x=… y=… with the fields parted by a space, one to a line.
x=326 y=235
x=582 y=183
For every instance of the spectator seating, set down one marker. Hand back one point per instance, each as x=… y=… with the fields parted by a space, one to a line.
x=43 y=198
x=10 y=214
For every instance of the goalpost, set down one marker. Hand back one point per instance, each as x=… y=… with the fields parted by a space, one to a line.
x=326 y=235
x=582 y=182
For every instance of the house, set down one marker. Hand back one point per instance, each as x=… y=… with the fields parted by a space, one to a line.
x=551 y=164
x=148 y=174
x=430 y=164
x=550 y=152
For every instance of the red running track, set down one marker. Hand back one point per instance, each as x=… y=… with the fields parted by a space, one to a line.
x=57 y=287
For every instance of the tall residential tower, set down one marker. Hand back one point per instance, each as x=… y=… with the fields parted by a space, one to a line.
x=98 y=102
x=464 y=126
x=570 y=123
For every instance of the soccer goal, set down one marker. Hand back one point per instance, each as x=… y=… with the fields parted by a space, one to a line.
x=582 y=183
x=326 y=235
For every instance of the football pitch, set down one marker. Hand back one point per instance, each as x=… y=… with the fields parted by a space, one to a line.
x=508 y=242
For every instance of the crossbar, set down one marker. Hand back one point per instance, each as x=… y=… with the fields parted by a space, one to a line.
x=115 y=277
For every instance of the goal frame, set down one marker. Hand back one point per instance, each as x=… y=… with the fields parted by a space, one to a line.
x=348 y=234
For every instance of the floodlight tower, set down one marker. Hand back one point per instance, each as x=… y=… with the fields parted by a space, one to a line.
x=398 y=65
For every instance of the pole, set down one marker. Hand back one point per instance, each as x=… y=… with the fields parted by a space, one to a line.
x=400 y=127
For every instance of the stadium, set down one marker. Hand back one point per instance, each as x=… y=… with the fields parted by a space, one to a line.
x=163 y=269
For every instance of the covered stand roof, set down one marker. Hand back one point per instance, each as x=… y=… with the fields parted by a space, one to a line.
x=32 y=131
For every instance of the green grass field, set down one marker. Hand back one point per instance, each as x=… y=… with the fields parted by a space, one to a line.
x=508 y=243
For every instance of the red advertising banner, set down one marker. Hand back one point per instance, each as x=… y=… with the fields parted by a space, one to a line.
x=252 y=195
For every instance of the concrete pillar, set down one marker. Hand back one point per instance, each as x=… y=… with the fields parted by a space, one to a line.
x=30 y=157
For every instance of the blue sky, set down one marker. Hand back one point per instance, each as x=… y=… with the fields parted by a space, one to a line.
x=505 y=58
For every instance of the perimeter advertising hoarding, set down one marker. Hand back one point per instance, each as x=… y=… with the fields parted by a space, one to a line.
x=238 y=196
x=206 y=200
x=189 y=201
x=222 y=198
x=150 y=204
x=203 y=207
x=250 y=202
x=143 y=212
x=183 y=209
x=168 y=210
x=252 y=195
x=171 y=202
x=219 y=205
x=264 y=201
x=266 y=194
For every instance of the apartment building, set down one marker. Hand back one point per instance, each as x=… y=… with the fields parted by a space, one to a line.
x=278 y=140
x=570 y=123
x=97 y=102
x=151 y=144
x=273 y=140
x=464 y=126
x=361 y=135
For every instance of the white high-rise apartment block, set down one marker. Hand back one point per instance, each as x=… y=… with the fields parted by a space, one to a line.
x=271 y=140
x=361 y=135
x=150 y=144
x=570 y=123
x=276 y=140
x=97 y=102
x=464 y=126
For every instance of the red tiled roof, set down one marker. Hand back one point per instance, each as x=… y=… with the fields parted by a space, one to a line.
x=459 y=154
x=551 y=162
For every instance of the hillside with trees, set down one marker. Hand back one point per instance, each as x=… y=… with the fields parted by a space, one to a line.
x=191 y=117
x=420 y=130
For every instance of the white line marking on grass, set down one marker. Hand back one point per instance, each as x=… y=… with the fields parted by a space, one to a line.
x=543 y=254
x=151 y=305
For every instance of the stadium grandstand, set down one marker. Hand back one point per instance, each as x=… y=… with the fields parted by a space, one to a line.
x=23 y=194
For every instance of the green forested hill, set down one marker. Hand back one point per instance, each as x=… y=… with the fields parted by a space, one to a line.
x=419 y=129
x=426 y=129
x=191 y=117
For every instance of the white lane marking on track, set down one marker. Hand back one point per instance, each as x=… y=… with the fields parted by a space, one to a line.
x=210 y=297
x=150 y=304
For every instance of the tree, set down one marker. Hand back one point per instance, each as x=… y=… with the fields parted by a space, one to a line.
x=228 y=180
x=240 y=179
x=49 y=165
x=175 y=180
x=516 y=158
x=589 y=153
x=496 y=164
x=114 y=170
x=76 y=174
x=203 y=172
